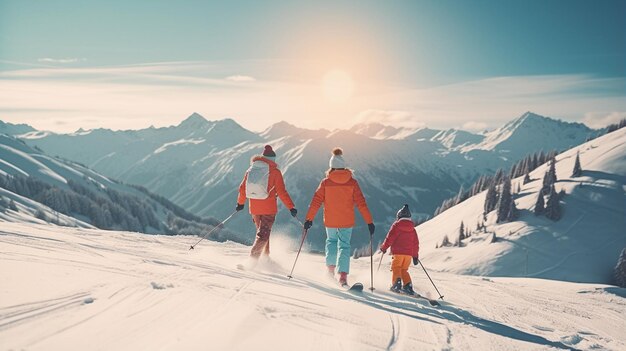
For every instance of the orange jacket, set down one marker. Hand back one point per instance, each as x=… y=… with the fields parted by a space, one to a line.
x=339 y=193
x=275 y=188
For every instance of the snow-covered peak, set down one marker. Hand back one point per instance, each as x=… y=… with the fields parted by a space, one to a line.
x=381 y=131
x=423 y=134
x=15 y=129
x=280 y=129
x=453 y=138
x=227 y=125
x=542 y=132
x=195 y=121
x=284 y=129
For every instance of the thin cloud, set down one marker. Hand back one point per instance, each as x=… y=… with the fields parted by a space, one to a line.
x=475 y=126
x=61 y=60
x=240 y=79
x=603 y=119
x=389 y=117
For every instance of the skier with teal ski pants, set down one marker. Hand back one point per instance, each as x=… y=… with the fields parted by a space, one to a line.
x=339 y=193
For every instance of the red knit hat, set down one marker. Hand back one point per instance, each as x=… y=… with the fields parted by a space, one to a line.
x=268 y=152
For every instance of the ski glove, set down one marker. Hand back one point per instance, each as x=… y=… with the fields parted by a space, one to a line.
x=415 y=261
x=294 y=212
x=239 y=207
x=384 y=251
x=307 y=224
x=371 y=227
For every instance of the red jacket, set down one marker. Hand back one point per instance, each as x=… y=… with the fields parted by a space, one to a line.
x=275 y=186
x=339 y=193
x=402 y=238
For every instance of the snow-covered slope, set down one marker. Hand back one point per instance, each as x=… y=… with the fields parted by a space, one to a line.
x=17 y=158
x=454 y=138
x=80 y=289
x=26 y=211
x=48 y=189
x=583 y=246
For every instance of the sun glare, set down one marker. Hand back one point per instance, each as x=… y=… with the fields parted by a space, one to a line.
x=337 y=86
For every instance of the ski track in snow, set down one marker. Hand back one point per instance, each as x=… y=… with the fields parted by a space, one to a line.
x=77 y=289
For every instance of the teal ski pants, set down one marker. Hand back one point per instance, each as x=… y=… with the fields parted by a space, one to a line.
x=338 y=248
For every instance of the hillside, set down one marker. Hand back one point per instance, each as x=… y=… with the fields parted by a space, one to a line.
x=38 y=188
x=583 y=246
x=80 y=289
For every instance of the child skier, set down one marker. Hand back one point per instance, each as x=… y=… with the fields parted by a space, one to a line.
x=402 y=238
x=339 y=193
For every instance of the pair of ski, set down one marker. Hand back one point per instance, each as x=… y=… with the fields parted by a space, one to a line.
x=418 y=296
x=358 y=287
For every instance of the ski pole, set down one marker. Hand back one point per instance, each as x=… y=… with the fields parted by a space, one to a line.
x=299 y=221
x=304 y=232
x=424 y=268
x=212 y=230
x=381 y=261
x=372 y=263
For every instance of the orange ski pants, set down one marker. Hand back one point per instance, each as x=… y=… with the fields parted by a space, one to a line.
x=400 y=268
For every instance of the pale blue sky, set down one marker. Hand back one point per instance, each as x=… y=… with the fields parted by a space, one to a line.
x=403 y=46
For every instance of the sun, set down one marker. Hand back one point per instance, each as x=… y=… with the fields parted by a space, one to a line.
x=337 y=86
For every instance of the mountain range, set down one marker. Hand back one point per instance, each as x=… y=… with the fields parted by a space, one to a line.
x=199 y=164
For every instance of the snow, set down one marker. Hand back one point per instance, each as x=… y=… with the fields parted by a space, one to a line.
x=583 y=246
x=84 y=289
x=28 y=208
x=178 y=142
x=545 y=133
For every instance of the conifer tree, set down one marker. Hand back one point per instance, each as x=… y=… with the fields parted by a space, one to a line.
x=552 y=171
x=545 y=190
x=578 y=171
x=504 y=201
x=553 y=206
x=513 y=212
x=445 y=241
x=461 y=233
x=620 y=270
x=539 y=204
x=498 y=177
x=526 y=178
x=461 y=196
x=491 y=199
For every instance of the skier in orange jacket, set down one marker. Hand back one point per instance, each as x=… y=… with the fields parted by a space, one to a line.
x=264 y=210
x=339 y=193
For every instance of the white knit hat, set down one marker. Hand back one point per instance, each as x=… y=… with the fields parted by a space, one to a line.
x=336 y=160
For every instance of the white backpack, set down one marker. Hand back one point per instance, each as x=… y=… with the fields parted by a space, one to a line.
x=257 y=181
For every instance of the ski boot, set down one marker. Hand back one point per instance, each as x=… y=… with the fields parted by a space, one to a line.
x=408 y=289
x=397 y=286
x=331 y=271
x=343 y=279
